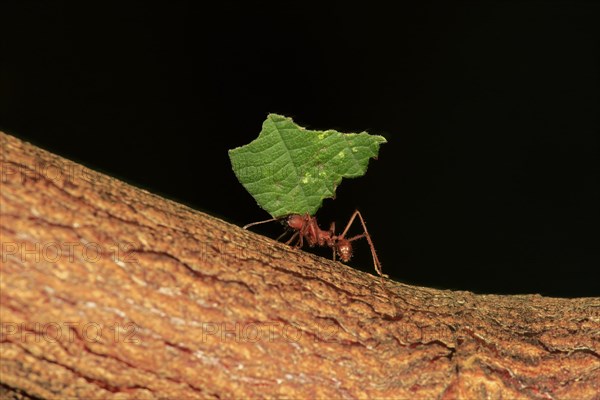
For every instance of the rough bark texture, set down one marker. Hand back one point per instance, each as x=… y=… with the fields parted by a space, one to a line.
x=108 y=291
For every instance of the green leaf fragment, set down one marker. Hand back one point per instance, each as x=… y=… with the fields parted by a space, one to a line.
x=291 y=170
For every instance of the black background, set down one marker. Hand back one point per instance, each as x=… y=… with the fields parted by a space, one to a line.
x=488 y=182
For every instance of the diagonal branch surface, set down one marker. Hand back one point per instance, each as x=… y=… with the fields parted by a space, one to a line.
x=109 y=291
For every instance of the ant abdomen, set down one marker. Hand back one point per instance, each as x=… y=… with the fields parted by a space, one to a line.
x=296 y=221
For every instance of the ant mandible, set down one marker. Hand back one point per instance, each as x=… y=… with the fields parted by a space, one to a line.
x=307 y=229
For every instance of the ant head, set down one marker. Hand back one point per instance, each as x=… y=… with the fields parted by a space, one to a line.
x=344 y=249
x=295 y=221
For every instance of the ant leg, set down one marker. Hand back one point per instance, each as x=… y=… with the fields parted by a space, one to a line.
x=312 y=232
x=292 y=238
x=365 y=235
x=332 y=232
x=260 y=222
x=282 y=235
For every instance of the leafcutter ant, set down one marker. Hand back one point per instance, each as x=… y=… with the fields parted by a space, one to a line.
x=306 y=229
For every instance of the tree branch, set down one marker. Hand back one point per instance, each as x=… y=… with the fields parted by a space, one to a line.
x=108 y=291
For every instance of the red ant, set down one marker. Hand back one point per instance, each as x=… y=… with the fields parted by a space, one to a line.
x=307 y=229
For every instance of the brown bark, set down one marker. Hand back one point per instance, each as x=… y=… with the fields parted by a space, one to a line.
x=108 y=291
